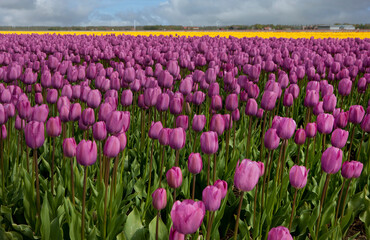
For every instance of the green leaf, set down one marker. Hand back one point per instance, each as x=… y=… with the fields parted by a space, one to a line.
x=55 y=229
x=45 y=218
x=162 y=229
x=133 y=227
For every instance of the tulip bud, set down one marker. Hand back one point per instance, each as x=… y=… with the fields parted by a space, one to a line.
x=35 y=134
x=356 y=114
x=175 y=235
x=155 y=129
x=182 y=121
x=99 y=131
x=216 y=103
x=122 y=140
x=211 y=197
x=286 y=128
x=54 y=127
x=93 y=98
x=88 y=117
x=86 y=153
x=339 y=138
x=222 y=185
x=251 y=108
x=365 y=125
x=344 y=87
x=217 y=124
x=288 y=99
x=329 y=103
x=231 y=102
x=195 y=163
x=126 y=98
x=159 y=198
x=331 y=160
x=311 y=130
x=300 y=136
x=246 y=175
x=75 y=112
x=177 y=138
x=312 y=98
x=271 y=139
x=163 y=102
x=174 y=177
x=115 y=121
x=351 y=169
x=325 y=123
x=268 y=100
x=164 y=136
x=298 y=176
x=104 y=111
x=112 y=147
x=176 y=105
x=187 y=216
x=69 y=147
x=209 y=142
x=199 y=121
x=279 y=233
x=341 y=120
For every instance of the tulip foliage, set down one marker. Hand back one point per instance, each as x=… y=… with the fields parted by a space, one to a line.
x=123 y=137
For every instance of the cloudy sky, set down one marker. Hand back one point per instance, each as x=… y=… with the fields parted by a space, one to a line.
x=180 y=12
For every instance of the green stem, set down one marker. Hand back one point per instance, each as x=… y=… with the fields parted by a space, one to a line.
x=306 y=155
x=345 y=198
x=249 y=136
x=209 y=168
x=238 y=216
x=150 y=168
x=255 y=207
x=209 y=226
x=37 y=182
x=72 y=183
x=339 y=200
x=359 y=148
x=83 y=206
x=193 y=191
x=161 y=170
x=107 y=163
x=156 y=226
x=350 y=144
x=52 y=168
x=292 y=214
x=322 y=203
x=214 y=167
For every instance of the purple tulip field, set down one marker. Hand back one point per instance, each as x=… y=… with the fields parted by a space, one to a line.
x=163 y=137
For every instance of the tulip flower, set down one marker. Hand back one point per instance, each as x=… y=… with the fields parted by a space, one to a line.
x=339 y=138
x=187 y=216
x=279 y=233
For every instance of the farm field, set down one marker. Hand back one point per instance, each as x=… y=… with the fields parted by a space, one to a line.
x=144 y=135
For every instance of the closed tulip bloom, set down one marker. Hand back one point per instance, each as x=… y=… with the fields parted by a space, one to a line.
x=345 y=86
x=126 y=98
x=231 y=102
x=175 y=235
x=159 y=198
x=177 y=138
x=228 y=123
x=271 y=139
x=38 y=98
x=3 y=115
x=198 y=97
x=64 y=113
x=94 y=98
x=63 y=101
x=35 y=134
x=24 y=109
x=211 y=197
x=195 y=163
x=246 y=175
x=151 y=96
x=88 y=117
x=331 y=160
x=222 y=185
x=9 y=110
x=209 y=142
x=351 y=169
x=268 y=100
x=165 y=79
x=182 y=121
x=155 y=129
x=329 y=103
x=40 y=113
x=111 y=147
x=75 y=112
x=356 y=114
x=69 y=147
x=186 y=86
x=251 y=108
x=288 y=99
x=115 y=121
x=339 y=138
x=214 y=89
x=312 y=98
x=86 y=153
x=217 y=124
x=122 y=140
x=163 y=102
x=187 y=216
x=176 y=105
x=325 y=123
x=126 y=120
x=279 y=233
x=298 y=176
x=235 y=115
x=19 y=123
x=365 y=125
x=104 y=111
x=260 y=113
x=341 y=120
x=174 y=177
x=164 y=136
x=99 y=131
x=4 y=133
x=216 y=102
x=286 y=128
x=52 y=96
x=199 y=121
x=311 y=130
x=300 y=136
x=54 y=127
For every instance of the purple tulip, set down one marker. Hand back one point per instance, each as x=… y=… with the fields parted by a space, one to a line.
x=279 y=233
x=35 y=134
x=222 y=185
x=195 y=163
x=69 y=147
x=174 y=177
x=331 y=160
x=300 y=136
x=251 y=108
x=54 y=127
x=246 y=175
x=216 y=103
x=351 y=169
x=344 y=87
x=211 y=197
x=182 y=121
x=177 y=138
x=325 y=123
x=231 y=102
x=268 y=100
x=271 y=139
x=339 y=138
x=187 y=216
x=175 y=235
x=209 y=142
x=311 y=130
x=126 y=98
x=155 y=129
x=217 y=124
x=199 y=121
x=93 y=98
x=298 y=176
x=356 y=114
x=365 y=125
x=286 y=128
x=115 y=121
x=159 y=198
x=99 y=131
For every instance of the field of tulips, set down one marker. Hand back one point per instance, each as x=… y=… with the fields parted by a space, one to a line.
x=161 y=137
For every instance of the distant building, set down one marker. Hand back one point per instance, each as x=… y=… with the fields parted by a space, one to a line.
x=267 y=28
x=336 y=27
